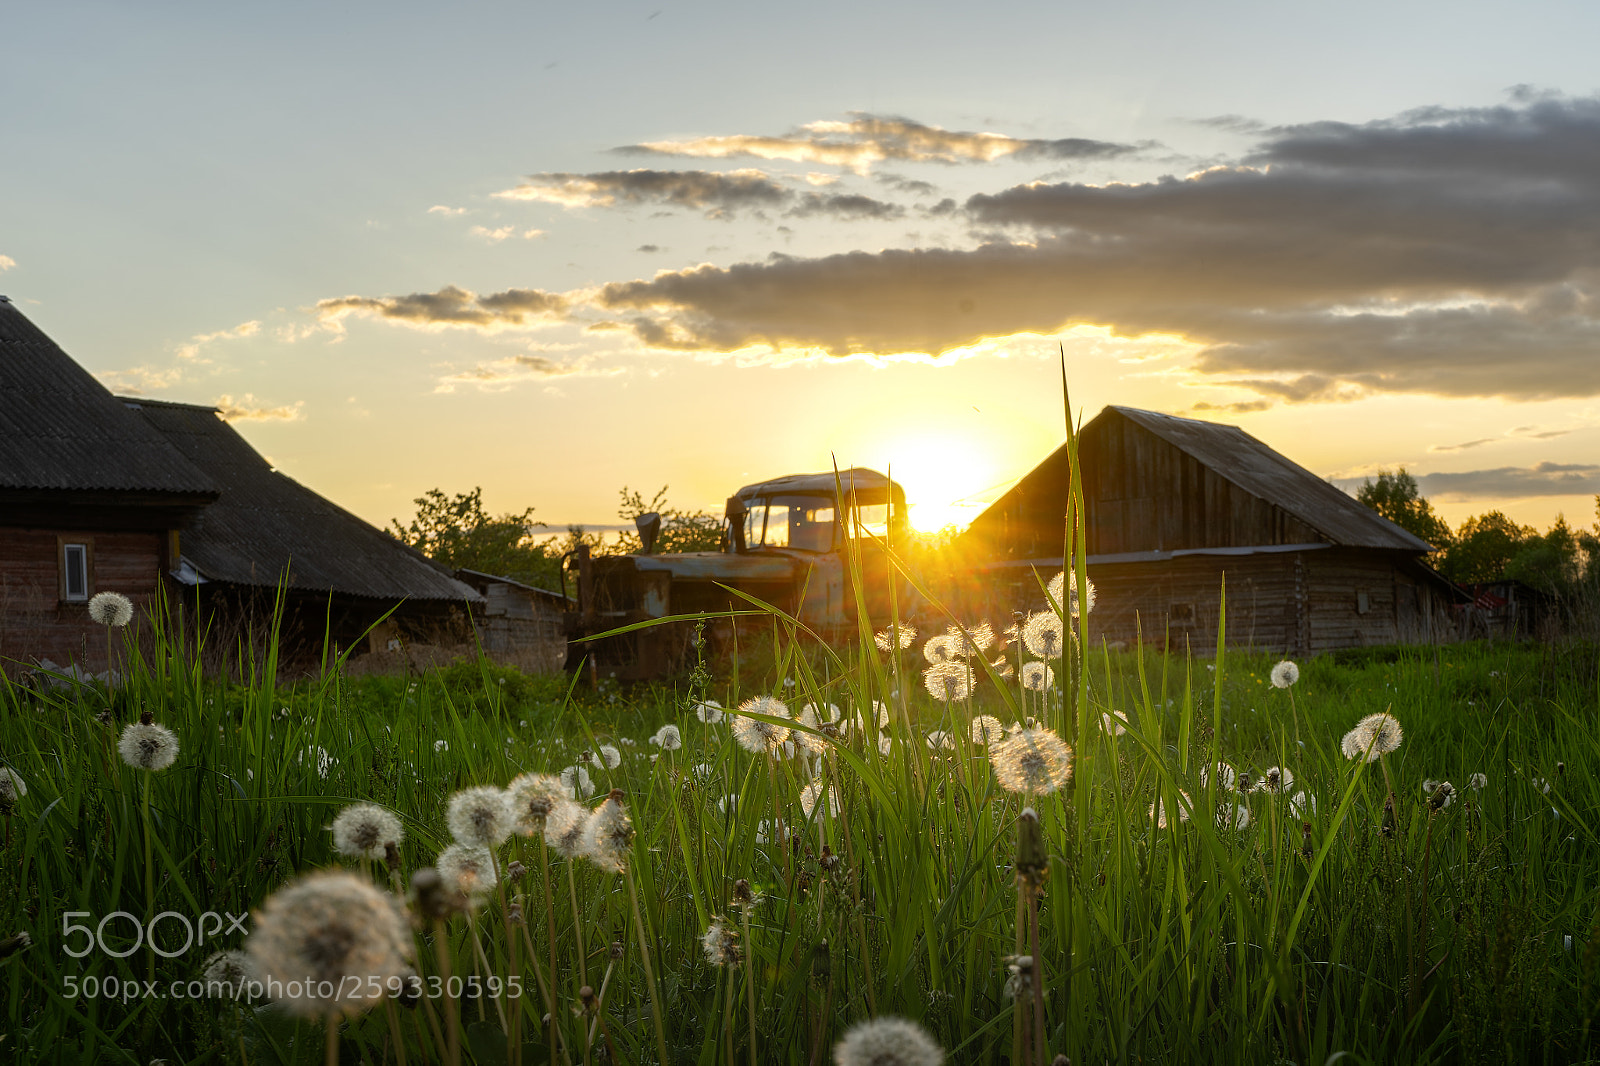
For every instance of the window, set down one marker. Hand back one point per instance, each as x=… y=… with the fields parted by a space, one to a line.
x=1363 y=601
x=1181 y=614
x=803 y=522
x=74 y=564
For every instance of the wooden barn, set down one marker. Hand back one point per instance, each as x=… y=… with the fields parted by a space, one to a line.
x=1175 y=506
x=523 y=625
x=146 y=497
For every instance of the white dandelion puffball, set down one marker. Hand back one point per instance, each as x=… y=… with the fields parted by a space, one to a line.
x=1224 y=774
x=893 y=638
x=1373 y=736
x=811 y=718
x=986 y=730
x=365 y=830
x=1276 y=779
x=758 y=736
x=1035 y=761
x=1234 y=814
x=226 y=974
x=815 y=792
x=1302 y=805
x=532 y=797
x=608 y=835
x=1038 y=677
x=1158 y=809
x=321 y=942
x=940 y=648
x=879 y=709
x=1285 y=674
x=1476 y=782
x=887 y=1041
x=577 y=782
x=148 y=747
x=12 y=787
x=111 y=609
x=480 y=817
x=610 y=757
x=1044 y=635
x=970 y=641
x=467 y=869
x=708 y=711
x=441 y=745
x=948 y=682
x=564 y=826
x=1066 y=600
x=720 y=944
x=1440 y=796
x=1114 y=724
x=886 y=745
x=668 y=738
x=940 y=740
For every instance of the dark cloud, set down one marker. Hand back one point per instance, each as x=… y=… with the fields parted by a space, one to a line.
x=1452 y=252
x=910 y=186
x=450 y=306
x=715 y=193
x=648 y=249
x=1514 y=482
x=848 y=206
x=864 y=140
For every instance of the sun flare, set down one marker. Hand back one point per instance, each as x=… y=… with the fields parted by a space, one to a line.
x=945 y=478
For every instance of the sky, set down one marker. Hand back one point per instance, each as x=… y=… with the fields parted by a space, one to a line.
x=557 y=250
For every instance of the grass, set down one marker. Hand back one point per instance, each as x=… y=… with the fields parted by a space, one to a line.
x=1462 y=935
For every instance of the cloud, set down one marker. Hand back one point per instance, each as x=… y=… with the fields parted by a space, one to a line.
x=719 y=195
x=441 y=209
x=190 y=352
x=866 y=139
x=188 y=359
x=1448 y=252
x=847 y=206
x=6 y=262
x=1514 y=482
x=495 y=236
x=1464 y=445
x=501 y=374
x=450 y=307
x=247 y=409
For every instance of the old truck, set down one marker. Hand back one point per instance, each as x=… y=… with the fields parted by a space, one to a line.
x=787 y=541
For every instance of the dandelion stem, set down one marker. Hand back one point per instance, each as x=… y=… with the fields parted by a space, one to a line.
x=452 y=1009
x=649 y=975
x=149 y=877
x=330 y=1047
x=394 y=1029
x=577 y=925
x=750 y=981
x=483 y=961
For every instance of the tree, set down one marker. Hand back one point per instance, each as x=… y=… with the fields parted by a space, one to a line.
x=1395 y=496
x=457 y=532
x=1483 y=547
x=681 y=531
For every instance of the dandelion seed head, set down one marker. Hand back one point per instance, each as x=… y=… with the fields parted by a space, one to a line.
x=1441 y=795
x=1114 y=724
x=1285 y=674
x=531 y=798
x=564 y=826
x=758 y=736
x=147 y=746
x=1374 y=736
x=708 y=711
x=1003 y=669
x=610 y=757
x=812 y=719
x=576 y=782
x=940 y=740
x=940 y=648
x=986 y=730
x=895 y=637
x=1276 y=779
x=329 y=931
x=467 y=870
x=967 y=641
x=668 y=738
x=886 y=745
x=1224 y=774
x=365 y=830
x=1476 y=782
x=1038 y=677
x=441 y=745
x=1063 y=592
x=1034 y=761
x=1234 y=814
x=608 y=835
x=226 y=974
x=887 y=1041
x=1302 y=805
x=948 y=682
x=111 y=609
x=480 y=817
x=1044 y=635
x=12 y=788
x=1158 y=809
x=721 y=944
x=815 y=793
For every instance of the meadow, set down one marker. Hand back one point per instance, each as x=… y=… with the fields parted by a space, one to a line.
x=1131 y=901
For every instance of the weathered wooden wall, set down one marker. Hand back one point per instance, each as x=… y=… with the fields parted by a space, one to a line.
x=34 y=622
x=524 y=629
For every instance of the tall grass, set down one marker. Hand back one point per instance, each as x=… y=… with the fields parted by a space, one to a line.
x=1467 y=934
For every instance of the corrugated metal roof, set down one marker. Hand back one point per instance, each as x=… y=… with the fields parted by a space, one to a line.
x=60 y=429
x=861 y=479
x=1242 y=459
x=264 y=523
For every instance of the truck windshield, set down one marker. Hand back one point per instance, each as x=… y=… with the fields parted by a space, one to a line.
x=807 y=523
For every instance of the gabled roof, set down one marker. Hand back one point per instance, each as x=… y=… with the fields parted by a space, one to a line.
x=859 y=478
x=1238 y=457
x=62 y=431
x=264 y=522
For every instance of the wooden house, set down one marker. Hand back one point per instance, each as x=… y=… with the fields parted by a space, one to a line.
x=145 y=497
x=1176 y=509
x=523 y=625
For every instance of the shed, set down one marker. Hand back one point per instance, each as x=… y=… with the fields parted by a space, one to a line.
x=523 y=625
x=1176 y=506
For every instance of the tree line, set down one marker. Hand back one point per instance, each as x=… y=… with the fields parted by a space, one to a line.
x=1563 y=561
